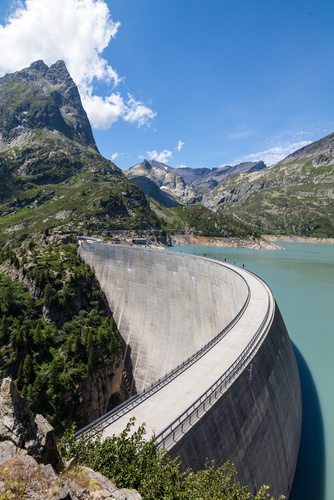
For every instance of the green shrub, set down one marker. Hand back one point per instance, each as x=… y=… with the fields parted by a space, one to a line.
x=131 y=461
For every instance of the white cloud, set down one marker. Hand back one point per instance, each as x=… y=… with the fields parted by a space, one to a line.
x=114 y=156
x=137 y=112
x=76 y=31
x=273 y=155
x=103 y=112
x=183 y=166
x=179 y=145
x=162 y=157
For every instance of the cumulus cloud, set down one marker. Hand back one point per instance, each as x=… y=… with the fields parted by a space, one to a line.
x=137 y=112
x=114 y=156
x=179 y=145
x=76 y=31
x=162 y=157
x=273 y=155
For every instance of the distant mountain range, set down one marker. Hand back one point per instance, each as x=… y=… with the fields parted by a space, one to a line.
x=183 y=185
x=295 y=196
x=52 y=175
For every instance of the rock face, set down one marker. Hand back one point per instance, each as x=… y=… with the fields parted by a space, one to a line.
x=50 y=167
x=98 y=390
x=205 y=179
x=167 y=181
x=29 y=455
x=44 y=98
x=18 y=426
x=173 y=186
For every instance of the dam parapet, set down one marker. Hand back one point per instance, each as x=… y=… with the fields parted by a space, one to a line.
x=233 y=390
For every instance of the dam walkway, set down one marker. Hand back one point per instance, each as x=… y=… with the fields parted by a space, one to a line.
x=177 y=401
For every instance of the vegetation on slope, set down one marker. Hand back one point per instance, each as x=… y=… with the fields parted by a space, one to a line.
x=66 y=186
x=58 y=333
x=201 y=221
x=133 y=462
x=294 y=197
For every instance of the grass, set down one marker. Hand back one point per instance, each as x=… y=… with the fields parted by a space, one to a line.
x=20 y=477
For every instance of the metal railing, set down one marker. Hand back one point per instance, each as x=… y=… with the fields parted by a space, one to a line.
x=179 y=426
x=104 y=421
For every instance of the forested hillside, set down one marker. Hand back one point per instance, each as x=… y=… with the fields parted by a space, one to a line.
x=56 y=329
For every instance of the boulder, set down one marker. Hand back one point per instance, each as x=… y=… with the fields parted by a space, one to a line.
x=29 y=455
x=17 y=422
x=18 y=425
x=8 y=450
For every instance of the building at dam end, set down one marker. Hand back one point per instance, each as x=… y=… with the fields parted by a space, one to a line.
x=209 y=360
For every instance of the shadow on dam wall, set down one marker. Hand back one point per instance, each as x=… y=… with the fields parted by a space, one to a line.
x=309 y=481
x=164 y=304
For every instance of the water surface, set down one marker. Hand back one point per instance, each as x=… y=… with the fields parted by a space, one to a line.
x=302 y=279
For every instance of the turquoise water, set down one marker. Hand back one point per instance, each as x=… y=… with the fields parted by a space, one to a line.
x=302 y=280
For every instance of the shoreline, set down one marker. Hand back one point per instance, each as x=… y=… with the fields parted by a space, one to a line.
x=266 y=242
x=298 y=239
x=251 y=243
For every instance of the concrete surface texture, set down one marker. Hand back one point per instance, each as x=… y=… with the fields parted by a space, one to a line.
x=166 y=305
x=169 y=305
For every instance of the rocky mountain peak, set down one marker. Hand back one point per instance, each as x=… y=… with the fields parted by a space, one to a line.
x=42 y=98
x=165 y=179
x=146 y=165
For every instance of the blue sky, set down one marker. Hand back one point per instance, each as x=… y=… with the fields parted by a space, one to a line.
x=196 y=83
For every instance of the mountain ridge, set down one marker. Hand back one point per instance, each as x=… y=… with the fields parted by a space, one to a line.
x=293 y=197
x=54 y=104
x=53 y=175
x=184 y=185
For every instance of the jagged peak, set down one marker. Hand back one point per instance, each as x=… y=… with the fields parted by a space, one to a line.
x=39 y=66
x=49 y=100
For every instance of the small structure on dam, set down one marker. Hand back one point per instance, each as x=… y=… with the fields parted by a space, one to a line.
x=209 y=358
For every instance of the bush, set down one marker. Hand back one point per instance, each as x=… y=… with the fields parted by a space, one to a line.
x=130 y=461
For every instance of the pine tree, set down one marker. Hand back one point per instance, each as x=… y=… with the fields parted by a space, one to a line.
x=28 y=369
x=20 y=378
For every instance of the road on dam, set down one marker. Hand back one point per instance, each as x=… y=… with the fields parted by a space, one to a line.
x=168 y=403
x=213 y=370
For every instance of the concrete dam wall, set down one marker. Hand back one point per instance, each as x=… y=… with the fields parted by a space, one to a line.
x=165 y=306
x=236 y=399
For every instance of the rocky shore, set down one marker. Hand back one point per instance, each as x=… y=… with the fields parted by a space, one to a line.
x=299 y=239
x=252 y=243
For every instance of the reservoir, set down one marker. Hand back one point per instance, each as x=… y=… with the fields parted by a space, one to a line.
x=302 y=280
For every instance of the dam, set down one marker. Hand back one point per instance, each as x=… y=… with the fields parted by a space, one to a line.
x=209 y=361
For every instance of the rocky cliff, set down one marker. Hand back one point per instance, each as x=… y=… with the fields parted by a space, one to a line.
x=205 y=179
x=165 y=178
x=42 y=98
x=31 y=466
x=52 y=173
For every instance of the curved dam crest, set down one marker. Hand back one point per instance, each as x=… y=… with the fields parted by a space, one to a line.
x=165 y=306
x=240 y=399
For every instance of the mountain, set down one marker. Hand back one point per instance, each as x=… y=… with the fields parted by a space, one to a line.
x=42 y=98
x=295 y=196
x=183 y=185
x=205 y=179
x=167 y=181
x=52 y=174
